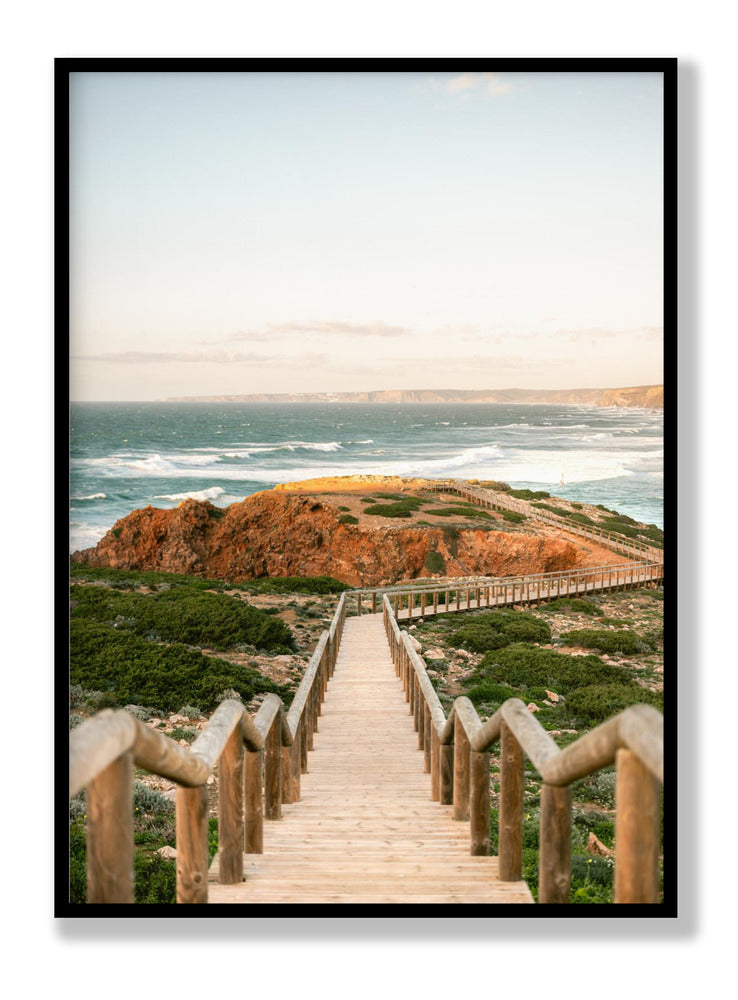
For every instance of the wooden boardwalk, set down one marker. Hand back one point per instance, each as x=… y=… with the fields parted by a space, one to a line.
x=365 y=829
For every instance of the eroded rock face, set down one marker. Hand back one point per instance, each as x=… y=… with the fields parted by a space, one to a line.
x=282 y=534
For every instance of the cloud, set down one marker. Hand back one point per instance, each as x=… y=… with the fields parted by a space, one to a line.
x=281 y=331
x=598 y=333
x=204 y=358
x=487 y=83
x=339 y=327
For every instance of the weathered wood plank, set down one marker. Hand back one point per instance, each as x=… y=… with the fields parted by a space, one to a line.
x=366 y=828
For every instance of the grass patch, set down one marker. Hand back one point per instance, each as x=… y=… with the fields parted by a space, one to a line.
x=348 y=519
x=608 y=641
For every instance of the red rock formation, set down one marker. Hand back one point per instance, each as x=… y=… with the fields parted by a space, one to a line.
x=283 y=534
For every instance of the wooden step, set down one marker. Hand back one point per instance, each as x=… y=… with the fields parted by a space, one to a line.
x=365 y=829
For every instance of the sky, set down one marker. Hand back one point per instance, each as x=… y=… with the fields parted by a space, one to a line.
x=233 y=233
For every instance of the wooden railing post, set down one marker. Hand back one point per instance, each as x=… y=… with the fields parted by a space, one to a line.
x=637 y=823
x=435 y=763
x=479 y=803
x=273 y=769
x=427 y=725
x=511 y=806
x=110 y=833
x=253 y=785
x=230 y=810
x=446 y=773
x=461 y=771
x=191 y=823
x=554 y=863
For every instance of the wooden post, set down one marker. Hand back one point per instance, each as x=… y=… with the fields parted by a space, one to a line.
x=410 y=603
x=427 y=724
x=511 y=806
x=435 y=764
x=446 y=773
x=109 y=799
x=479 y=803
x=191 y=825
x=420 y=714
x=447 y=591
x=435 y=602
x=554 y=863
x=358 y=604
x=273 y=769
x=286 y=777
x=461 y=771
x=304 y=741
x=374 y=602
x=422 y=605
x=253 y=785
x=637 y=823
x=230 y=810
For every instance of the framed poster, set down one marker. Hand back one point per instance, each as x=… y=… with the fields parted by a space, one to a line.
x=366 y=485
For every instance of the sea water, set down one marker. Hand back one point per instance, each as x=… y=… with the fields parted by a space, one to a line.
x=124 y=456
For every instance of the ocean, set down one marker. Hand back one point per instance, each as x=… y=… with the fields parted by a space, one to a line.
x=124 y=456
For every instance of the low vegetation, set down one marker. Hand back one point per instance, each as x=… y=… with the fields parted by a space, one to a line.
x=491 y=656
x=608 y=641
x=142 y=641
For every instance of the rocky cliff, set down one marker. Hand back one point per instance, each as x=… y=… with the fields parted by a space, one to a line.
x=651 y=396
x=289 y=534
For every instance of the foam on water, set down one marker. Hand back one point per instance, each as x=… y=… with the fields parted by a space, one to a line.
x=125 y=456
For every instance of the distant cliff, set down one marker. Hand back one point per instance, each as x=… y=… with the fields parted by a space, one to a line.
x=650 y=396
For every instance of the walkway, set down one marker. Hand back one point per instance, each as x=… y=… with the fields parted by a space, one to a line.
x=365 y=829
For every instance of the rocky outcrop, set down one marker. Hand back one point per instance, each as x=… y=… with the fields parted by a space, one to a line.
x=287 y=534
x=649 y=396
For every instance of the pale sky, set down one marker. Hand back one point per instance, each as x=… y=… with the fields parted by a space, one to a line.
x=286 y=232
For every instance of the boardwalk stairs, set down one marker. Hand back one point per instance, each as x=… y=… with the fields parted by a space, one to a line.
x=363 y=790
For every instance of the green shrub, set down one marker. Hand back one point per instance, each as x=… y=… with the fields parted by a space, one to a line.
x=460 y=511
x=596 y=703
x=513 y=516
x=607 y=641
x=567 y=605
x=496 y=629
x=402 y=509
x=489 y=693
x=155 y=580
x=128 y=670
x=348 y=519
x=523 y=666
x=197 y=619
x=580 y=518
x=435 y=563
x=529 y=494
x=297 y=585
x=618 y=527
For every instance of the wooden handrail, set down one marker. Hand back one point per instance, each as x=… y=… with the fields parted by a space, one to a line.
x=259 y=763
x=503 y=501
x=633 y=740
x=494 y=591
